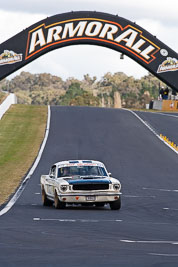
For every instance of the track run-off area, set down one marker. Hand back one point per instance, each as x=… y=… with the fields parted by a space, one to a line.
x=142 y=233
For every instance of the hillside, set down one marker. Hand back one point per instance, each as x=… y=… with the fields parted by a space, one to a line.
x=2 y=97
x=43 y=89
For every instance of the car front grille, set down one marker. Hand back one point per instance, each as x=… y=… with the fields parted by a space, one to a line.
x=87 y=187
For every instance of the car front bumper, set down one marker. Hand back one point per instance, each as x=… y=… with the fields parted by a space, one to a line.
x=88 y=197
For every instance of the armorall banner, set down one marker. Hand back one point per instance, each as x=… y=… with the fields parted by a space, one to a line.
x=93 y=28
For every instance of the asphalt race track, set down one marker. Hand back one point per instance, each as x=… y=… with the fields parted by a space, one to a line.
x=143 y=233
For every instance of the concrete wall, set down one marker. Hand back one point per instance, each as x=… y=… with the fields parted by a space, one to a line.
x=157 y=104
x=10 y=99
x=165 y=105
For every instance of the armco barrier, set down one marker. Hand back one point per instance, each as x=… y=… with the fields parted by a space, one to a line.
x=10 y=99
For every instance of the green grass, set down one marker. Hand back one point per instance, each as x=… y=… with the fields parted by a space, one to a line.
x=154 y=110
x=22 y=130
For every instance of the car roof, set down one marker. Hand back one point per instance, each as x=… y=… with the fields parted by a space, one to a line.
x=79 y=163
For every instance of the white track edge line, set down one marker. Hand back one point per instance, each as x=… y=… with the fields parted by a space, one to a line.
x=159 y=113
x=151 y=129
x=165 y=114
x=19 y=191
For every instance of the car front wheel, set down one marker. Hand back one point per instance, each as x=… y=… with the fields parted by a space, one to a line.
x=57 y=203
x=115 y=205
x=45 y=200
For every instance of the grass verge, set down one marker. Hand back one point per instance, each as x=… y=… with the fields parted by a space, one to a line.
x=22 y=130
x=154 y=110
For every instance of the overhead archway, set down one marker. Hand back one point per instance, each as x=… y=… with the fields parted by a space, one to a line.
x=94 y=28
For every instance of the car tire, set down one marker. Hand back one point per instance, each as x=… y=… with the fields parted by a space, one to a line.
x=115 y=205
x=46 y=202
x=57 y=203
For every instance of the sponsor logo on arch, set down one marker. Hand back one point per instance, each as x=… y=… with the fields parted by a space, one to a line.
x=170 y=64
x=129 y=38
x=9 y=57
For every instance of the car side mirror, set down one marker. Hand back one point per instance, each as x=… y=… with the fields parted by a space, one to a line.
x=52 y=176
x=109 y=173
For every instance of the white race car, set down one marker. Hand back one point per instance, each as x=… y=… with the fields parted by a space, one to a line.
x=84 y=182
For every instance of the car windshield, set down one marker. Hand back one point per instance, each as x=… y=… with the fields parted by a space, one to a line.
x=81 y=171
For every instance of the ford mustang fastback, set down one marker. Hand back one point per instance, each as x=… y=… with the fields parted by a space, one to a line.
x=84 y=182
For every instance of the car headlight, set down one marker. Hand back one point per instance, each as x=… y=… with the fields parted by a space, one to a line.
x=116 y=186
x=63 y=188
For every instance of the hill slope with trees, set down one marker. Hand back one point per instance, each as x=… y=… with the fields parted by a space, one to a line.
x=44 y=89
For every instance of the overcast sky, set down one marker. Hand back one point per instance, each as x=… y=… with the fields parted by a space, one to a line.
x=159 y=17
